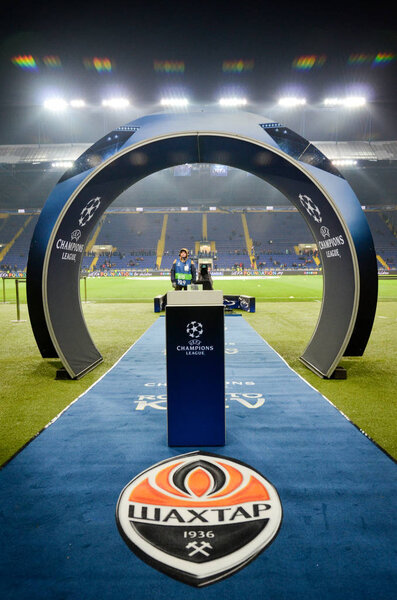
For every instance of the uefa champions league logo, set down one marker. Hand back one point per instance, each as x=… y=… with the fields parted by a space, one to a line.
x=75 y=235
x=324 y=232
x=312 y=209
x=88 y=211
x=195 y=346
x=194 y=329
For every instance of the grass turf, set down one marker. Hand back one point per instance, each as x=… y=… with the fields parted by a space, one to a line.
x=368 y=395
x=30 y=396
x=287 y=310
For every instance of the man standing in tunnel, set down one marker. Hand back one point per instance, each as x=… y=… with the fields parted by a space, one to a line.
x=183 y=271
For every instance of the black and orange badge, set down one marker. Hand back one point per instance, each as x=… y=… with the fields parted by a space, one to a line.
x=199 y=517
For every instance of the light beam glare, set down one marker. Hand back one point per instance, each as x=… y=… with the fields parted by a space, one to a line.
x=55 y=104
x=232 y=101
x=116 y=103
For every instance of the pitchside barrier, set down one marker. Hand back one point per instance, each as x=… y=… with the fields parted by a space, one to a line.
x=18 y=281
x=245 y=141
x=246 y=303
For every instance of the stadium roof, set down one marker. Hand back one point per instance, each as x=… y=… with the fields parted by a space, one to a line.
x=149 y=51
x=48 y=153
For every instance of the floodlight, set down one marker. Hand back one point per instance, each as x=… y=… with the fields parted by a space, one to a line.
x=77 y=103
x=62 y=164
x=232 y=101
x=116 y=103
x=56 y=104
x=349 y=102
x=333 y=101
x=344 y=162
x=292 y=101
x=174 y=102
x=354 y=101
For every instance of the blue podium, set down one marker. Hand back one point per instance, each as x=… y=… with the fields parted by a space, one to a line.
x=195 y=346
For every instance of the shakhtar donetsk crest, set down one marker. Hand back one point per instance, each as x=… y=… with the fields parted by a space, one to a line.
x=199 y=517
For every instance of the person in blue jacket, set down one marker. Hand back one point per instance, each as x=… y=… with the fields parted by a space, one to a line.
x=183 y=271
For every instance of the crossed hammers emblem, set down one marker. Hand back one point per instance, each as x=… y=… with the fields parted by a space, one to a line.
x=198 y=549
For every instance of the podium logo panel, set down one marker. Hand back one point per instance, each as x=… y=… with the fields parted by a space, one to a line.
x=199 y=517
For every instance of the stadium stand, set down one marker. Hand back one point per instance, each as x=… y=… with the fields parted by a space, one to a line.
x=384 y=239
x=276 y=236
x=183 y=230
x=226 y=231
x=15 y=234
x=28 y=174
x=133 y=239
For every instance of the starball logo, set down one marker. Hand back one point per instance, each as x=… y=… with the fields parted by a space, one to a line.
x=194 y=346
x=89 y=210
x=194 y=329
x=199 y=517
x=311 y=208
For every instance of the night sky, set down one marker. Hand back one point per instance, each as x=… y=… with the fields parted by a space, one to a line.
x=350 y=50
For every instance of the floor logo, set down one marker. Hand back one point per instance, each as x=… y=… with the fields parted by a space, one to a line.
x=199 y=517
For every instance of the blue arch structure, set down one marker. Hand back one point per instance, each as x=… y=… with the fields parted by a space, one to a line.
x=246 y=141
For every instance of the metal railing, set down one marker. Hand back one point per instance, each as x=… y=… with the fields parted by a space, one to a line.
x=18 y=281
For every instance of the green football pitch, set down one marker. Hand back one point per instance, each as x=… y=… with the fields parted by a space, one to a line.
x=303 y=288
x=119 y=310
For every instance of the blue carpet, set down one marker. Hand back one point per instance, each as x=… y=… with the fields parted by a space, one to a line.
x=58 y=496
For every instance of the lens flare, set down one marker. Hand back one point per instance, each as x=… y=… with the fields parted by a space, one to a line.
x=379 y=59
x=308 y=62
x=384 y=58
x=169 y=66
x=52 y=62
x=237 y=66
x=100 y=65
x=26 y=62
x=360 y=59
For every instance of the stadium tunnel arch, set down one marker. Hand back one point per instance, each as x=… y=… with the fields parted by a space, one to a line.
x=245 y=141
